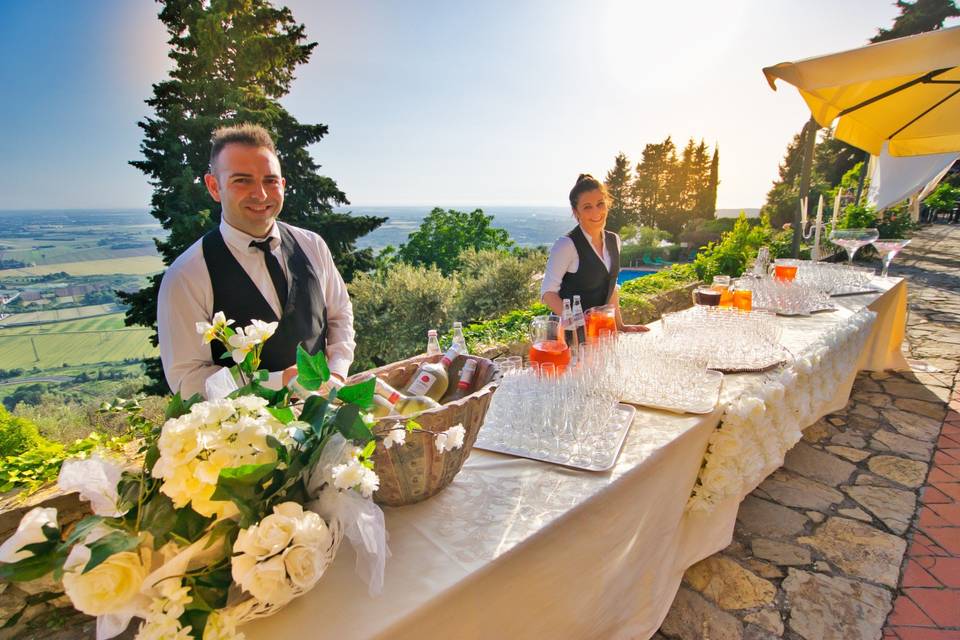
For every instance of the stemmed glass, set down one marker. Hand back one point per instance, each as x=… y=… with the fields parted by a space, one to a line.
x=853 y=239
x=889 y=248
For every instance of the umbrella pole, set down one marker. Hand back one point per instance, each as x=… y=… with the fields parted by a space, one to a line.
x=808 y=139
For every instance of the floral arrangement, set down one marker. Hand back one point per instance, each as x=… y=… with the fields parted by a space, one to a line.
x=766 y=421
x=238 y=507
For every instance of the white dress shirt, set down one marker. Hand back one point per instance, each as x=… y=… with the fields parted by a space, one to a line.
x=564 y=259
x=186 y=297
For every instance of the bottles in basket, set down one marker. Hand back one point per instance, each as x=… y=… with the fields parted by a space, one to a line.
x=432 y=378
x=433 y=344
x=462 y=388
x=388 y=401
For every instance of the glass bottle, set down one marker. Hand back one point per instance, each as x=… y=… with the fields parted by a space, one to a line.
x=432 y=378
x=458 y=338
x=388 y=401
x=579 y=321
x=569 y=330
x=463 y=385
x=433 y=344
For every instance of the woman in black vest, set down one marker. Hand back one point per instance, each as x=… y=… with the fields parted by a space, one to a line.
x=586 y=261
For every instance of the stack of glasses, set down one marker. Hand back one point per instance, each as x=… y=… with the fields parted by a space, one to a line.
x=786 y=297
x=729 y=340
x=834 y=279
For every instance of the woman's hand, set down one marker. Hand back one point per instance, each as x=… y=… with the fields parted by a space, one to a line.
x=634 y=328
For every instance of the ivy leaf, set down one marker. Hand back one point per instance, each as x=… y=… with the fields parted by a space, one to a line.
x=314 y=412
x=82 y=529
x=369 y=449
x=413 y=425
x=213 y=587
x=178 y=406
x=351 y=425
x=33 y=567
x=195 y=618
x=241 y=485
x=158 y=518
x=247 y=475
x=360 y=394
x=189 y=524
x=150 y=457
x=282 y=454
x=108 y=545
x=283 y=414
x=312 y=371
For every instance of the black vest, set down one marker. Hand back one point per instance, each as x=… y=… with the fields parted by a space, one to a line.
x=592 y=281
x=304 y=318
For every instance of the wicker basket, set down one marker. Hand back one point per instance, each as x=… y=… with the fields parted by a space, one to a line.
x=416 y=471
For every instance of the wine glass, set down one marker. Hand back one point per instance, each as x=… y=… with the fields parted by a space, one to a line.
x=889 y=248
x=853 y=239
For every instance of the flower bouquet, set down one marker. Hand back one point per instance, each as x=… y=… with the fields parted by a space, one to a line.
x=239 y=506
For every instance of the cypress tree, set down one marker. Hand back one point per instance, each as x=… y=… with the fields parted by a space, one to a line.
x=618 y=187
x=234 y=60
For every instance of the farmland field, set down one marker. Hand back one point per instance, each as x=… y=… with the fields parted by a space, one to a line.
x=57 y=315
x=84 y=341
x=137 y=265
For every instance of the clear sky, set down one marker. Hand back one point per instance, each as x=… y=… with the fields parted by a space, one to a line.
x=434 y=102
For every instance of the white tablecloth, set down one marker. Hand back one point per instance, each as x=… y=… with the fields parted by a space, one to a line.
x=515 y=548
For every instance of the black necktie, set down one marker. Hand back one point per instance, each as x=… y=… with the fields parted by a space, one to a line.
x=276 y=271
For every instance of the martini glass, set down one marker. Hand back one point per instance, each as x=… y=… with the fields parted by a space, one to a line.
x=853 y=239
x=889 y=249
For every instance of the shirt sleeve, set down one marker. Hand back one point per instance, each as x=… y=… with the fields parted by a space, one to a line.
x=562 y=256
x=181 y=303
x=340 y=333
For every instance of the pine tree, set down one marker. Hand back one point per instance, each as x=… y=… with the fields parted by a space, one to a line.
x=234 y=59
x=618 y=188
x=918 y=17
x=652 y=183
x=707 y=204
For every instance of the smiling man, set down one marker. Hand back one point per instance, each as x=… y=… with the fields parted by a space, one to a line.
x=252 y=267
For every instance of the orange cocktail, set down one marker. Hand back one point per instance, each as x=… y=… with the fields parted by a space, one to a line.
x=785 y=270
x=598 y=320
x=743 y=299
x=553 y=351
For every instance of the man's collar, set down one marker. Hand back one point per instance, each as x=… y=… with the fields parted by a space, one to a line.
x=241 y=241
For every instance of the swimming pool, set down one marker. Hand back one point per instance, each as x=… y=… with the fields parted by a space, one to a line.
x=630 y=274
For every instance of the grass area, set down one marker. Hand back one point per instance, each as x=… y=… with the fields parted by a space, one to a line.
x=58 y=315
x=75 y=342
x=138 y=265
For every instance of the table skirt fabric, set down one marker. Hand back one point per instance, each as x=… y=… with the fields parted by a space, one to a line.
x=515 y=548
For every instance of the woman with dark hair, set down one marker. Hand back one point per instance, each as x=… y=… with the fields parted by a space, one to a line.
x=586 y=261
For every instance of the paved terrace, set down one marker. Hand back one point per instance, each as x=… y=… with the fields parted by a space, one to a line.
x=858 y=535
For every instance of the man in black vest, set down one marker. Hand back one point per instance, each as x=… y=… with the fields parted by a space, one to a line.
x=252 y=267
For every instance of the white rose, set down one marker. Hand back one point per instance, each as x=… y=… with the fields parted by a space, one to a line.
x=106 y=588
x=312 y=531
x=303 y=565
x=271 y=535
x=266 y=581
x=179 y=442
x=721 y=479
x=29 y=531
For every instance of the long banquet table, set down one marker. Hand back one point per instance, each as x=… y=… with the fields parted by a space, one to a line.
x=515 y=548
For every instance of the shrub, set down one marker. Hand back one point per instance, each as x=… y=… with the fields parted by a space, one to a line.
x=944 y=198
x=393 y=310
x=17 y=435
x=492 y=283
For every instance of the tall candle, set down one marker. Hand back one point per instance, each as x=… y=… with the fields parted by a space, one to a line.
x=836 y=205
x=803 y=212
x=815 y=253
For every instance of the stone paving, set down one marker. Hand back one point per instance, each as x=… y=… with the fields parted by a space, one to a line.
x=864 y=516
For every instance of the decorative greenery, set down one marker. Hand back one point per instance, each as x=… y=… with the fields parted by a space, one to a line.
x=944 y=198
x=735 y=251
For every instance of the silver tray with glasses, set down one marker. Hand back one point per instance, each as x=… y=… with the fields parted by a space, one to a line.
x=601 y=456
x=702 y=395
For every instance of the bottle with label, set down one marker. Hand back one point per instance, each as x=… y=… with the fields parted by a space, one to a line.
x=388 y=401
x=463 y=385
x=431 y=378
x=458 y=338
x=569 y=330
x=579 y=321
x=433 y=344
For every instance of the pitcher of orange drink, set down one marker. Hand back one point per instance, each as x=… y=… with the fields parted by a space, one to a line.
x=600 y=319
x=547 y=344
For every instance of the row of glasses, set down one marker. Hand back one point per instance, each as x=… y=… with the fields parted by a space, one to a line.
x=834 y=279
x=786 y=297
x=729 y=339
x=853 y=239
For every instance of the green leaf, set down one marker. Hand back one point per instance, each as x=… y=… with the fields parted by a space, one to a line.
x=413 y=425
x=150 y=457
x=82 y=529
x=33 y=567
x=312 y=371
x=108 y=545
x=246 y=475
x=262 y=375
x=195 y=618
x=226 y=529
x=158 y=517
x=314 y=412
x=189 y=524
x=283 y=455
x=369 y=449
x=359 y=394
x=214 y=587
x=283 y=414
x=178 y=406
x=350 y=424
